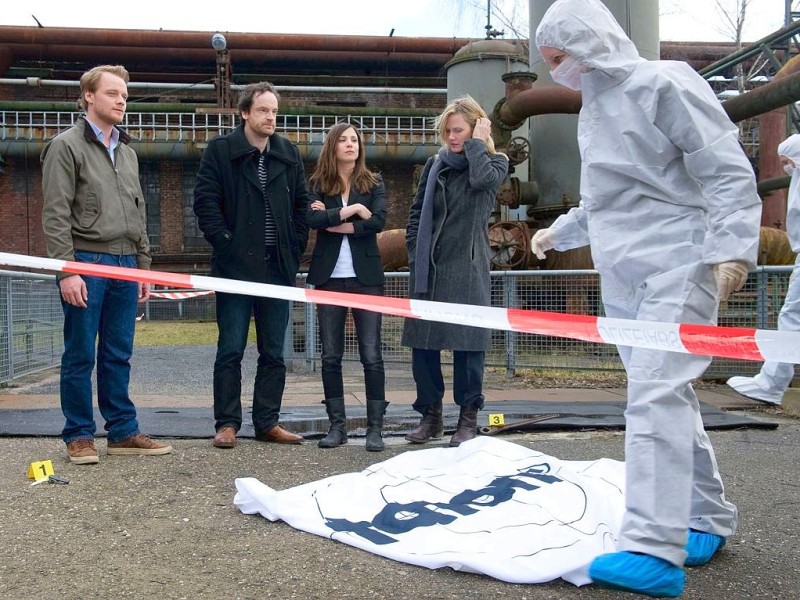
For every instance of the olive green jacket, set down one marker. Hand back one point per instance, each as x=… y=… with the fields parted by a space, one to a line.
x=90 y=203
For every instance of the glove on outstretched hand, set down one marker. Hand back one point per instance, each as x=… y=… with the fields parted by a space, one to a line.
x=542 y=241
x=730 y=278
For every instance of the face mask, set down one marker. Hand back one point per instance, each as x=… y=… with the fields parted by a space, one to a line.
x=568 y=73
x=789 y=168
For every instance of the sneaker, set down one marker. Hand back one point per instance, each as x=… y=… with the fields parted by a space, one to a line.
x=640 y=573
x=138 y=444
x=82 y=452
x=747 y=386
x=701 y=547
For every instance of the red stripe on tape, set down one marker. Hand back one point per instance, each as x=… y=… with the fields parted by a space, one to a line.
x=579 y=327
x=158 y=277
x=728 y=342
x=383 y=304
x=180 y=295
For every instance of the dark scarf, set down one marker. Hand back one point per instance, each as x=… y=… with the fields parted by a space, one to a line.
x=422 y=256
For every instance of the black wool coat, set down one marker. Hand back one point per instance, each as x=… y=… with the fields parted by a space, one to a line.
x=229 y=204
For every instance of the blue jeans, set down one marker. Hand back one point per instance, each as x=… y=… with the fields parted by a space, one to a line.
x=426 y=366
x=108 y=320
x=368 y=333
x=233 y=321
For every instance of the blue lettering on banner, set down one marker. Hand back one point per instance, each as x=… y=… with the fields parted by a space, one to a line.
x=397 y=517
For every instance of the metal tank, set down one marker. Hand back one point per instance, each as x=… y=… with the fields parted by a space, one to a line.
x=477 y=69
x=556 y=163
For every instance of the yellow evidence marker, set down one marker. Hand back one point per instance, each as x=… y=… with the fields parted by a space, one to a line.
x=41 y=469
x=496 y=420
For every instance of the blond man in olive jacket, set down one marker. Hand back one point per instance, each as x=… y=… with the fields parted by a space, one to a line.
x=94 y=212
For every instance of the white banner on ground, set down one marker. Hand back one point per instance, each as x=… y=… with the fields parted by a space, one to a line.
x=488 y=506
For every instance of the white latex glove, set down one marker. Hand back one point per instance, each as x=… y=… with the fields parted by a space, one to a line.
x=542 y=241
x=730 y=278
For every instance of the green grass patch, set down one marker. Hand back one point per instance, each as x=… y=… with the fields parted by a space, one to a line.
x=179 y=333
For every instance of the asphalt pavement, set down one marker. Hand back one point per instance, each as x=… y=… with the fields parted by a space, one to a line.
x=167 y=527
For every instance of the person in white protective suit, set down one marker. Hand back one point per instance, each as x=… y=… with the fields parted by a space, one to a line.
x=774 y=378
x=670 y=209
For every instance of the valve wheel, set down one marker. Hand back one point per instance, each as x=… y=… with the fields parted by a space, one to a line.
x=509 y=244
x=518 y=150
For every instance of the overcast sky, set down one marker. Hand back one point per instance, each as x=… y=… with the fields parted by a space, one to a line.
x=686 y=20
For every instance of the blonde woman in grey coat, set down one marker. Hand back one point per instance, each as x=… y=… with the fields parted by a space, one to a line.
x=448 y=249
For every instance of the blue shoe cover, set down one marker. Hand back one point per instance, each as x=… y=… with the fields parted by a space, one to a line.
x=640 y=573
x=701 y=546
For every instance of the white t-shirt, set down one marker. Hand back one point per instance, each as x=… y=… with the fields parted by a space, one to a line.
x=344 y=264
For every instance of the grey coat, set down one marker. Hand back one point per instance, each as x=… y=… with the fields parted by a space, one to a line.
x=460 y=263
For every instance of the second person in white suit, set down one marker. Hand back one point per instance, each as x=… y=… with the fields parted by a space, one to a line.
x=775 y=377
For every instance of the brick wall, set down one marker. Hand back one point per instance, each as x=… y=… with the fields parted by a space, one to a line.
x=21 y=207
x=21 y=204
x=171 y=194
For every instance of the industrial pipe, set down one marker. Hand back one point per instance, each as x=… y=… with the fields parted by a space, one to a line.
x=538 y=101
x=195 y=56
x=178 y=40
x=169 y=41
x=557 y=99
x=775 y=94
x=767 y=186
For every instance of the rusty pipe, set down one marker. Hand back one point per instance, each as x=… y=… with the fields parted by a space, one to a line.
x=767 y=186
x=194 y=56
x=115 y=38
x=702 y=53
x=510 y=112
x=775 y=94
x=556 y=99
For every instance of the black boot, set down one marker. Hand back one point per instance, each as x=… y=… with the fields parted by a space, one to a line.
x=337 y=434
x=467 y=427
x=430 y=426
x=375 y=412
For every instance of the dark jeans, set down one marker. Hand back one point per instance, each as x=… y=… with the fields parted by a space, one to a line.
x=233 y=321
x=368 y=333
x=426 y=365
x=107 y=321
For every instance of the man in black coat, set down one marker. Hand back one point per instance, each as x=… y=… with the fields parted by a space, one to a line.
x=250 y=200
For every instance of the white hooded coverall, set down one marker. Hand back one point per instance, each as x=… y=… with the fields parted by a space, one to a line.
x=775 y=377
x=666 y=193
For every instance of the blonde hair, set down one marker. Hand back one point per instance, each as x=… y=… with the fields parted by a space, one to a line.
x=91 y=79
x=467 y=107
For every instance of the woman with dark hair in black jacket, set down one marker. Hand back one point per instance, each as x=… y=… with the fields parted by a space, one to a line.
x=348 y=210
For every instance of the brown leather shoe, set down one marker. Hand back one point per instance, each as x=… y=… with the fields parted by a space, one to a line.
x=279 y=435
x=82 y=452
x=225 y=438
x=139 y=444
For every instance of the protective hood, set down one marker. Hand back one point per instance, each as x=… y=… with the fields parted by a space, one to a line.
x=790 y=148
x=587 y=30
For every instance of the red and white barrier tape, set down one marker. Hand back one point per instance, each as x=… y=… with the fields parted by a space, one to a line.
x=728 y=342
x=180 y=295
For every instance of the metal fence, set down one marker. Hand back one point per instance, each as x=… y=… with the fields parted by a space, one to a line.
x=31 y=324
x=31 y=320
x=23 y=125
